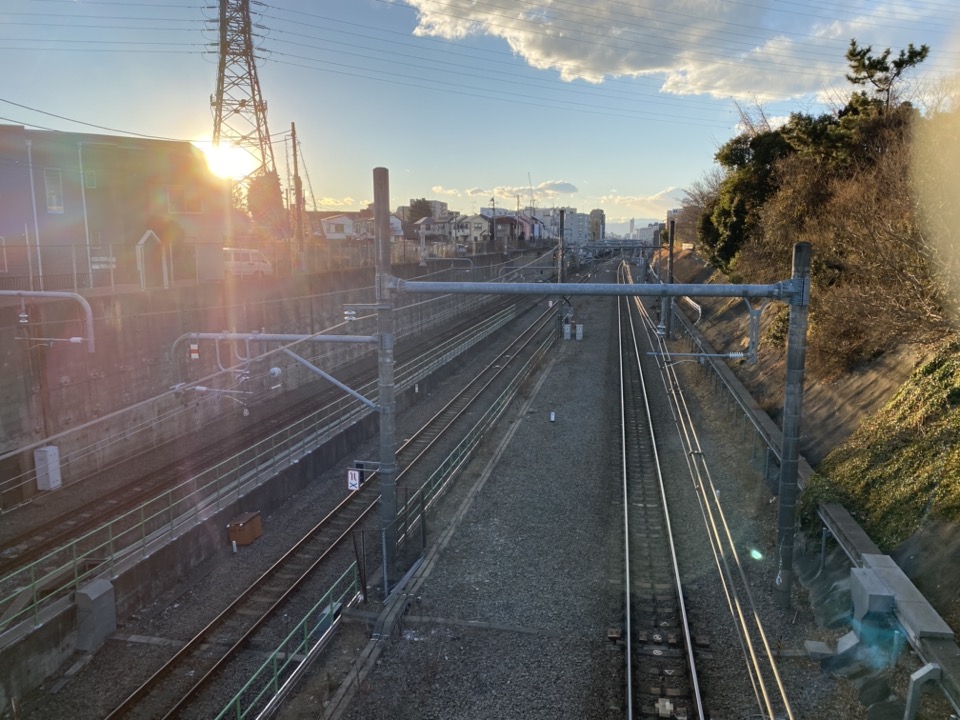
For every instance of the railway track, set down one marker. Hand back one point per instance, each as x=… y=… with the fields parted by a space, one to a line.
x=672 y=659
x=661 y=667
x=164 y=486
x=172 y=691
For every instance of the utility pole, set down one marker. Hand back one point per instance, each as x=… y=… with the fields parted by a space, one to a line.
x=493 y=224
x=516 y=225
x=387 y=402
x=298 y=193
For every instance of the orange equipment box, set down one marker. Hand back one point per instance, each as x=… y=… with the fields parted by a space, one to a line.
x=244 y=529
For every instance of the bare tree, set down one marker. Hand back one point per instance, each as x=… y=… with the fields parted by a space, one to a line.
x=698 y=198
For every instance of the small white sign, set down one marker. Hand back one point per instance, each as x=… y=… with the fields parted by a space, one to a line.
x=353 y=479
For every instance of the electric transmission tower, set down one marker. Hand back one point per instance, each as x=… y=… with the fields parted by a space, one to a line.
x=240 y=114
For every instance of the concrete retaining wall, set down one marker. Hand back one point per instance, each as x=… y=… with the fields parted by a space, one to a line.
x=25 y=664
x=103 y=407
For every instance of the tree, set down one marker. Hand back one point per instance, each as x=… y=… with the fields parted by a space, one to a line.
x=750 y=160
x=265 y=204
x=419 y=209
x=879 y=71
x=697 y=198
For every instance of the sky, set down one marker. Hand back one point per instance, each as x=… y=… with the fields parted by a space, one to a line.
x=612 y=104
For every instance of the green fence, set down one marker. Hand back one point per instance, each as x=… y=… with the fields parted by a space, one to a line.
x=287 y=663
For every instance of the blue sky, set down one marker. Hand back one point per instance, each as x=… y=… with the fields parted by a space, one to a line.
x=610 y=104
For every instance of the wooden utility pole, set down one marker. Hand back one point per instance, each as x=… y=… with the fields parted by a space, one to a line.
x=297 y=191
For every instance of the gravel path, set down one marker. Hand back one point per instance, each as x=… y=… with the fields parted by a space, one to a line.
x=512 y=619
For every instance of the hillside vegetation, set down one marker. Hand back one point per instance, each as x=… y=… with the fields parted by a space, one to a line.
x=901 y=469
x=846 y=183
x=849 y=182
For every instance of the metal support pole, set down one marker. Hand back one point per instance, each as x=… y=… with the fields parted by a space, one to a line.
x=792 y=406
x=87 y=311
x=664 y=301
x=560 y=248
x=387 y=402
x=668 y=319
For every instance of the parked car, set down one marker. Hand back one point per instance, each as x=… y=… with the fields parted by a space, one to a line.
x=241 y=262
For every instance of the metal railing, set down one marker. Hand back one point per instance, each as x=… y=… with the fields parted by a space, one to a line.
x=78 y=464
x=135 y=535
x=286 y=664
x=77 y=266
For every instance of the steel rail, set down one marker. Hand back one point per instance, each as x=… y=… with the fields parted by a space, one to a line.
x=369 y=497
x=635 y=358
x=719 y=531
x=625 y=481
x=708 y=497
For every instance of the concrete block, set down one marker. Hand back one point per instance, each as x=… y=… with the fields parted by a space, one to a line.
x=870 y=594
x=817 y=650
x=915 y=613
x=848 y=643
x=96 y=615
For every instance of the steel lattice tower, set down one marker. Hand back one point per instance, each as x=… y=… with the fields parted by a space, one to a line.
x=240 y=114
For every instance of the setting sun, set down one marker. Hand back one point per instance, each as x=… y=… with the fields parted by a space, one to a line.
x=228 y=161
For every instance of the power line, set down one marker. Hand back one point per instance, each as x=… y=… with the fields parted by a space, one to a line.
x=516 y=98
x=458 y=68
x=100 y=127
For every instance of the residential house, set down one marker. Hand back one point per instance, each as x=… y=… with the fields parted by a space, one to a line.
x=365 y=228
x=338 y=227
x=433 y=231
x=77 y=206
x=473 y=232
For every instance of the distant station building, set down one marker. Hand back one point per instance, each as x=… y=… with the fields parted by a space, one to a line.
x=76 y=206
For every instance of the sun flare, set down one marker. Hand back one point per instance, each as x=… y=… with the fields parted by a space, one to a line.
x=228 y=161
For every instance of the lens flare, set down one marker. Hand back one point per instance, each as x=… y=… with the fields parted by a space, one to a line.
x=935 y=165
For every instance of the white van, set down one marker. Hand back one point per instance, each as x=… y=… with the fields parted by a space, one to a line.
x=241 y=262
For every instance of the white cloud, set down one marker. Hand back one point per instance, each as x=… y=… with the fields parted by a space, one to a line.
x=545 y=190
x=645 y=206
x=763 y=50
x=326 y=203
x=441 y=190
x=557 y=187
